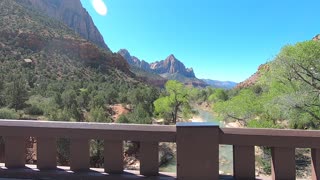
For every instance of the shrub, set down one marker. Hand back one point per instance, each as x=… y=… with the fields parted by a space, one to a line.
x=262 y=124
x=6 y=113
x=33 y=110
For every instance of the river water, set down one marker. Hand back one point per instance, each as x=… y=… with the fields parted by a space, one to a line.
x=225 y=151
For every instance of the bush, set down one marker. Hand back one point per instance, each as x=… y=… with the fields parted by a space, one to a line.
x=6 y=113
x=123 y=119
x=33 y=110
x=262 y=124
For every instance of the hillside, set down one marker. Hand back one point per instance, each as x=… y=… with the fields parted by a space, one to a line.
x=48 y=69
x=169 y=69
x=253 y=79
x=282 y=93
x=72 y=14
x=26 y=33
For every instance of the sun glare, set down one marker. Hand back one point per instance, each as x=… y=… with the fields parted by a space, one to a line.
x=100 y=7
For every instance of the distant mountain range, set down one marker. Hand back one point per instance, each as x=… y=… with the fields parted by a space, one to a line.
x=220 y=84
x=73 y=15
x=171 y=68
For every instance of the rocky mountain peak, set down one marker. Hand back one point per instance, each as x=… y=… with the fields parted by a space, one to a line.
x=172 y=65
x=171 y=57
x=72 y=14
x=316 y=38
x=126 y=55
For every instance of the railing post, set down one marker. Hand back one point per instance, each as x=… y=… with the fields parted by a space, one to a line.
x=1 y=150
x=79 y=154
x=243 y=162
x=15 y=151
x=149 y=158
x=283 y=164
x=198 y=151
x=315 y=162
x=113 y=156
x=46 y=153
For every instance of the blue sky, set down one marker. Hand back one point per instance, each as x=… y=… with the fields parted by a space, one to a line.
x=219 y=39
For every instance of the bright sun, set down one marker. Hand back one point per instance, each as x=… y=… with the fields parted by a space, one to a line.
x=100 y=7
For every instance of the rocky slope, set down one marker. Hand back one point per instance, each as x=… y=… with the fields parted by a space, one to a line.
x=170 y=68
x=72 y=14
x=142 y=70
x=316 y=38
x=252 y=80
x=49 y=43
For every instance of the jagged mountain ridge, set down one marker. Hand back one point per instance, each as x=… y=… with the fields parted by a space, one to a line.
x=72 y=14
x=170 y=65
x=170 y=68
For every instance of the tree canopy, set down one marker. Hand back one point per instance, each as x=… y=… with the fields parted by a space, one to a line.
x=174 y=101
x=288 y=90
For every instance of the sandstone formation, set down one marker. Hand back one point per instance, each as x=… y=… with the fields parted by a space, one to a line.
x=72 y=14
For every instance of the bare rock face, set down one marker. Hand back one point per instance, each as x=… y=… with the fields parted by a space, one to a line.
x=72 y=14
x=172 y=65
x=316 y=38
x=134 y=61
x=252 y=80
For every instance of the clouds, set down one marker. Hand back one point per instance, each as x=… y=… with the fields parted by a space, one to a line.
x=100 y=7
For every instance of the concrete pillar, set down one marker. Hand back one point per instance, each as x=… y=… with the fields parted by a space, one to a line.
x=315 y=162
x=243 y=162
x=113 y=156
x=198 y=151
x=149 y=158
x=46 y=153
x=79 y=155
x=283 y=165
x=15 y=152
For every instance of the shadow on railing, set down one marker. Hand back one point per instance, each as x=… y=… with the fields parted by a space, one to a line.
x=197 y=150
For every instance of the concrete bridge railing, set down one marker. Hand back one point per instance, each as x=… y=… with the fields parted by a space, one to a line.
x=197 y=147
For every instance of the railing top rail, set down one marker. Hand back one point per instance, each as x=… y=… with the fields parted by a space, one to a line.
x=271 y=132
x=270 y=137
x=86 y=125
x=108 y=131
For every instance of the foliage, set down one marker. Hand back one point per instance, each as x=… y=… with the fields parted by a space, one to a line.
x=288 y=90
x=176 y=100
x=219 y=95
x=99 y=115
x=17 y=92
x=262 y=124
x=6 y=113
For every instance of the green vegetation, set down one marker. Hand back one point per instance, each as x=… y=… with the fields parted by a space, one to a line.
x=44 y=75
x=286 y=95
x=48 y=72
x=175 y=100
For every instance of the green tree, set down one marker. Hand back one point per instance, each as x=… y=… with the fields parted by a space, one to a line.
x=98 y=114
x=218 y=96
x=244 y=106
x=2 y=93
x=176 y=99
x=17 y=93
x=297 y=70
